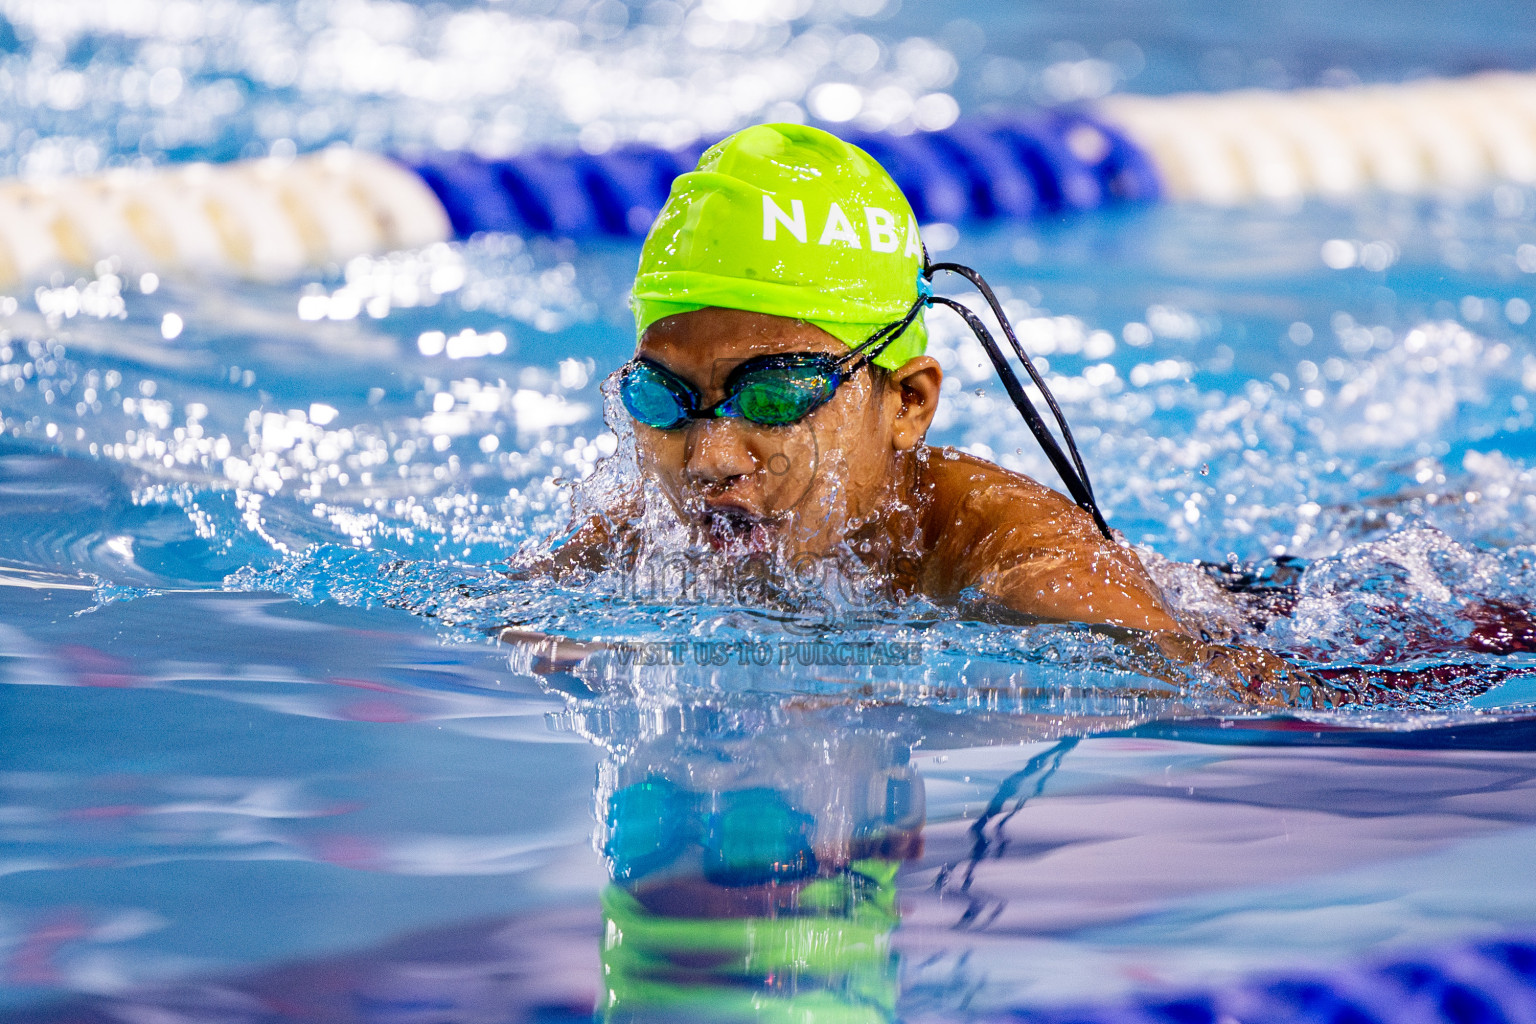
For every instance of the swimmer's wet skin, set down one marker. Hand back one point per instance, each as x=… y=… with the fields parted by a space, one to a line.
x=781 y=397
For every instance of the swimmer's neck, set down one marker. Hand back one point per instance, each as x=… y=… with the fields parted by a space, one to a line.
x=892 y=538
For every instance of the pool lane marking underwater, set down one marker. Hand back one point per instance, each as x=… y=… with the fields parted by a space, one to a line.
x=1491 y=979
x=272 y=219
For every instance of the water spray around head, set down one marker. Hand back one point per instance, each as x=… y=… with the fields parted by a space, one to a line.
x=780 y=396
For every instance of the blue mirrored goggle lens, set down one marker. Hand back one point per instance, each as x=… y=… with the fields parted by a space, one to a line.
x=753 y=837
x=774 y=395
x=757 y=838
x=647 y=827
x=652 y=398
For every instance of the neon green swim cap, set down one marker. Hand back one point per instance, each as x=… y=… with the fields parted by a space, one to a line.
x=789 y=220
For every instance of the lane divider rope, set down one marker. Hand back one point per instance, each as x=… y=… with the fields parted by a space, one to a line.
x=270 y=219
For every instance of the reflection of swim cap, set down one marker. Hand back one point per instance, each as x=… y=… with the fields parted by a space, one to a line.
x=829 y=962
x=788 y=220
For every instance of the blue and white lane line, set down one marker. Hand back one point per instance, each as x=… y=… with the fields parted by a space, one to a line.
x=261 y=219
x=271 y=219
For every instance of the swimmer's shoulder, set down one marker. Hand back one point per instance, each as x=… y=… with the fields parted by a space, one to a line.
x=1030 y=548
x=969 y=500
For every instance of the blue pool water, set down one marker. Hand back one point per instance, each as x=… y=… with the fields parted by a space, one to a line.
x=260 y=762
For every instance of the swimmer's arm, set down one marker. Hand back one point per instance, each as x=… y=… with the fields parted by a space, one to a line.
x=1122 y=599
x=1250 y=674
x=1097 y=587
x=1139 y=619
x=1165 y=650
x=1042 y=557
x=601 y=541
x=547 y=653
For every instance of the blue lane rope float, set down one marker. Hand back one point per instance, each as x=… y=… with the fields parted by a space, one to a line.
x=270 y=219
x=1021 y=167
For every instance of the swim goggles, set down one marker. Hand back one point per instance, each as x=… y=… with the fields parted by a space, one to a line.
x=748 y=836
x=771 y=391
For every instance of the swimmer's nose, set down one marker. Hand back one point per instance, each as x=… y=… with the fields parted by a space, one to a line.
x=717 y=452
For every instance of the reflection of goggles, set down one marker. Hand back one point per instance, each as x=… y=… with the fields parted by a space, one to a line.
x=749 y=836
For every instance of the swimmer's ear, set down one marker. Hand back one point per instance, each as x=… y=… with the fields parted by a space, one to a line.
x=915 y=385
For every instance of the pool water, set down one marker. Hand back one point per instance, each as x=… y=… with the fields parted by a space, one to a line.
x=261 y=760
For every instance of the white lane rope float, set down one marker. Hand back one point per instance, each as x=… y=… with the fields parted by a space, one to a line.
x=260 y=219
x=1421 y=136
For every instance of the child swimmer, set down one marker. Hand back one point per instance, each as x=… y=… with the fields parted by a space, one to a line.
x=781 y=397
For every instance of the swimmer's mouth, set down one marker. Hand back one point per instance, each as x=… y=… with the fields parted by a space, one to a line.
x=736 y=531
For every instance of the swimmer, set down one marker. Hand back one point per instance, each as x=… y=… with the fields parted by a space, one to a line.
x=781 y=396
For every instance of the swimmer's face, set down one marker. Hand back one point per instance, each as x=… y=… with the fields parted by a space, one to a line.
x=805 y=486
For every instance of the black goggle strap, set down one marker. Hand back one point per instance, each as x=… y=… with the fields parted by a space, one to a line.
x=997 y=310
x=1070 y=468
x=871 y=347
x=1059 y=459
